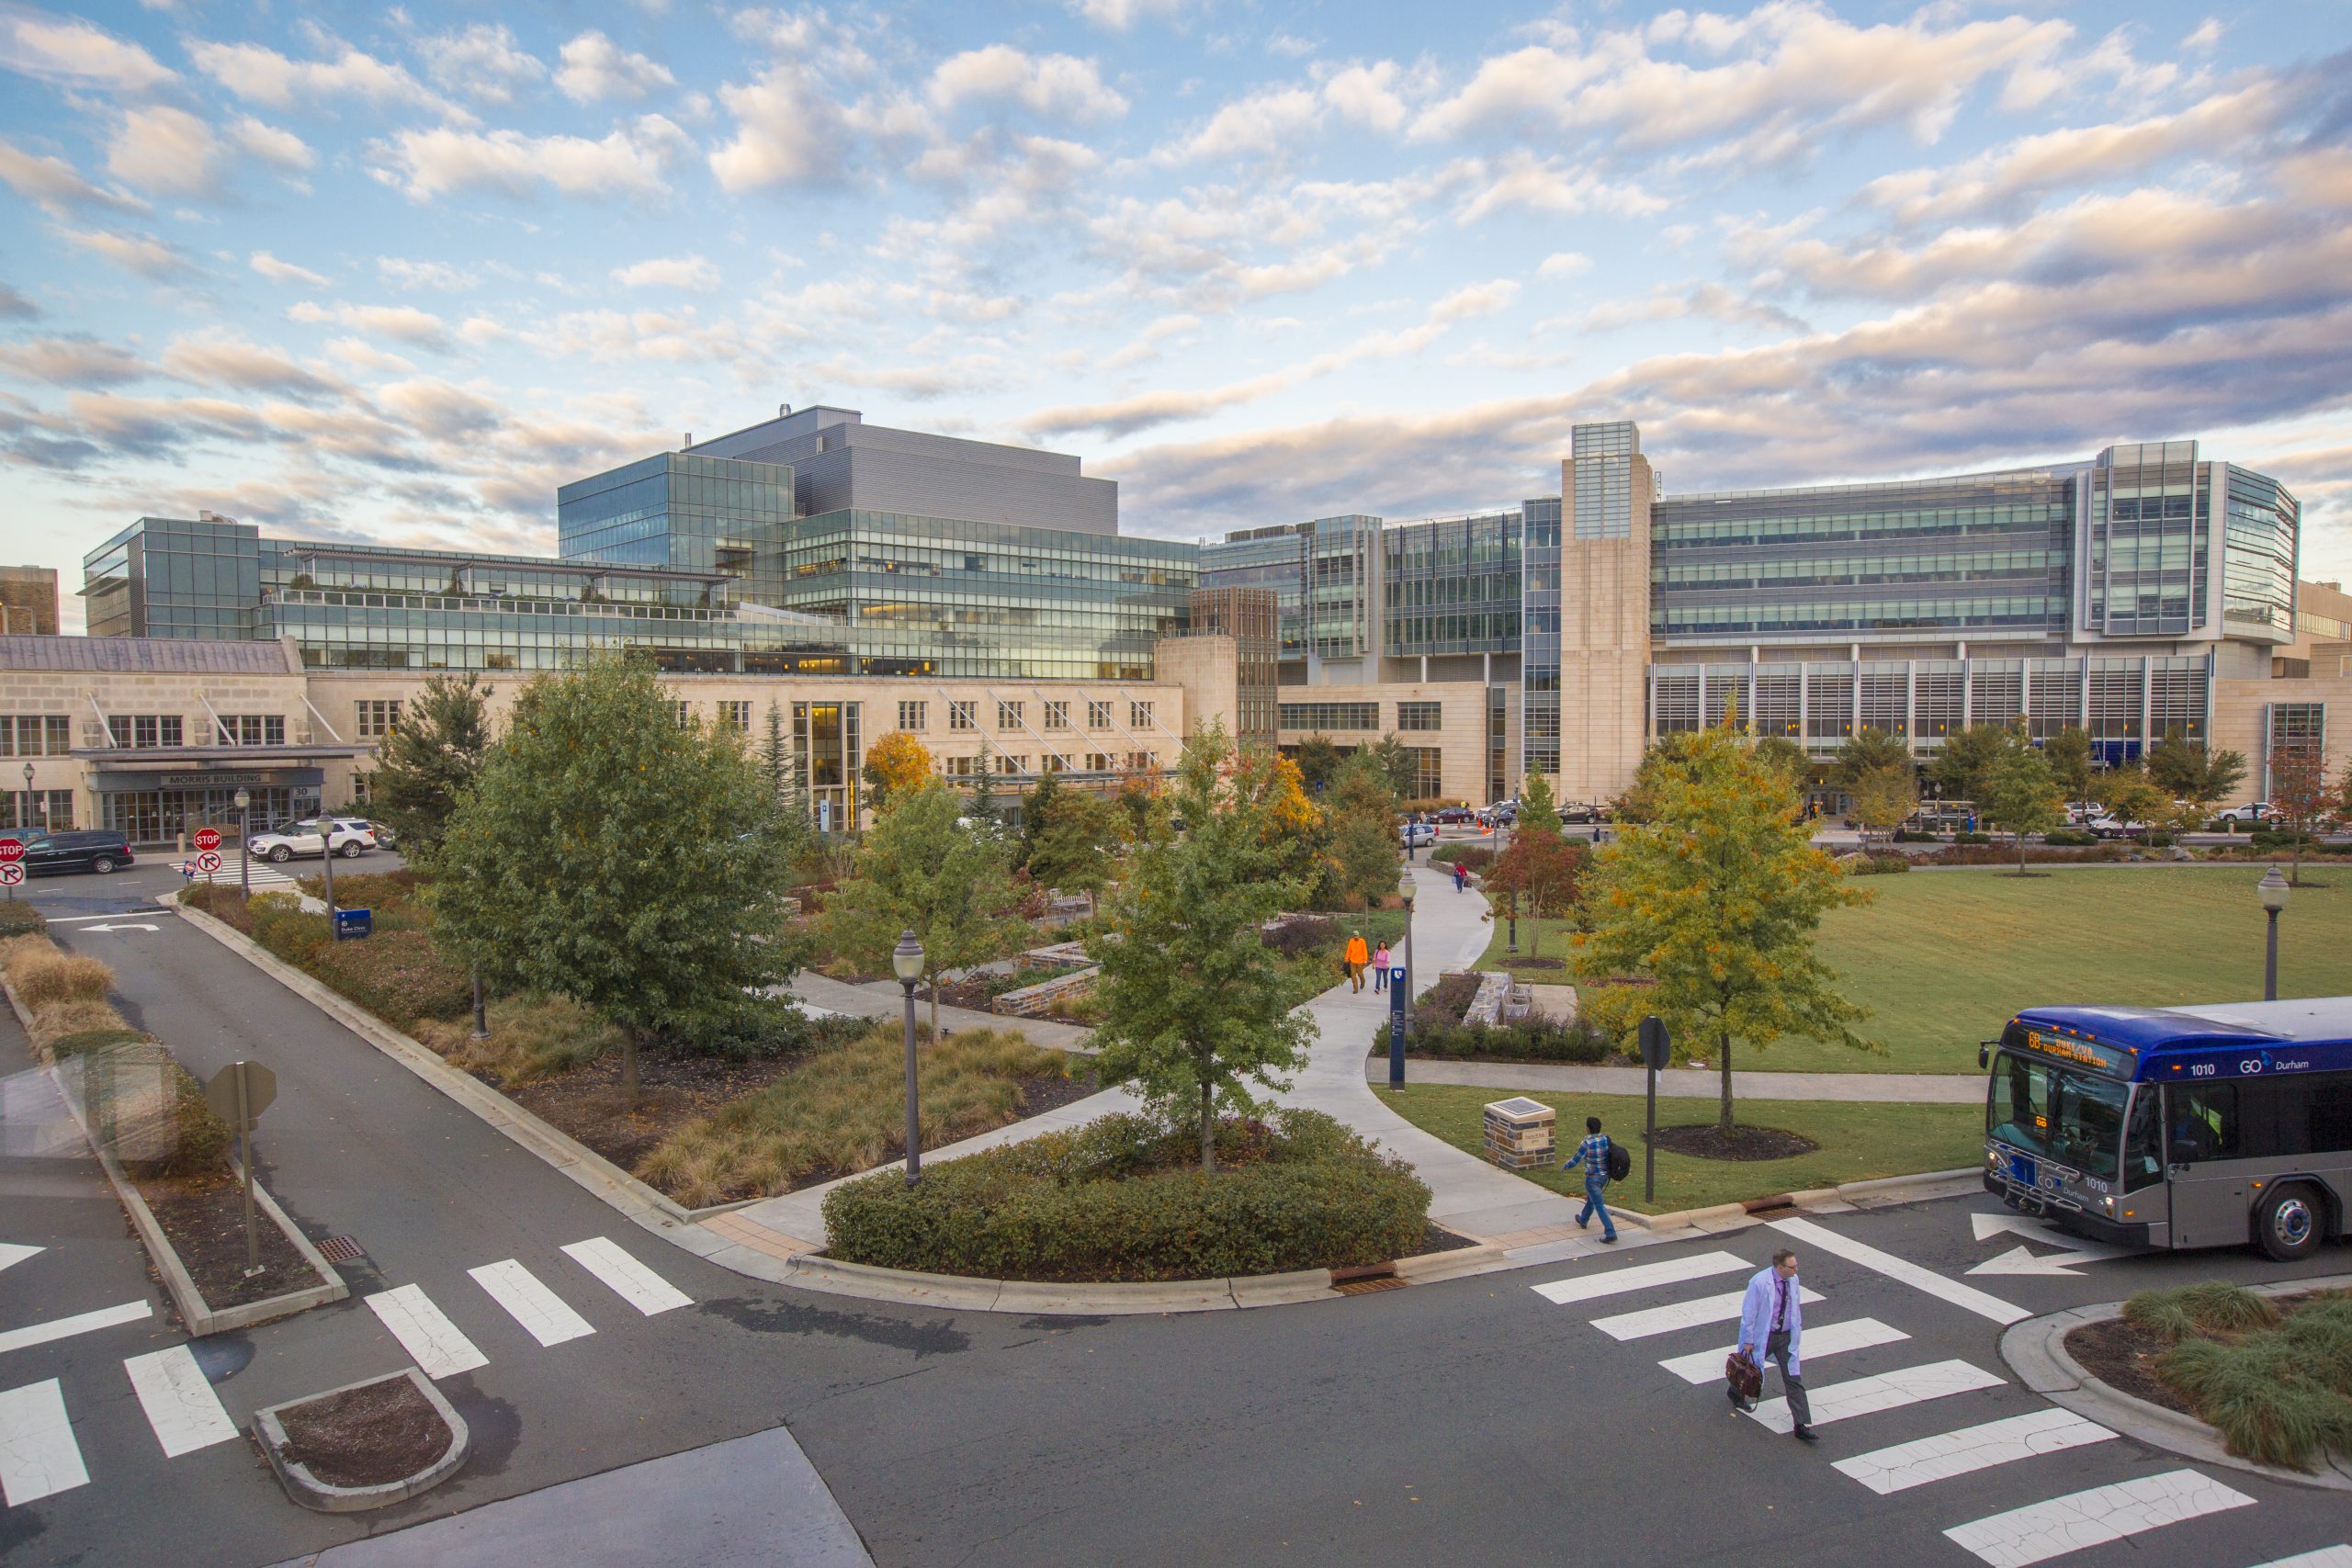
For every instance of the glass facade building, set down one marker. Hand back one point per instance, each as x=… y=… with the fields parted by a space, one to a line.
x=1539 y=658
x=1451 y=585
x=1269 y=558
x=687 y=513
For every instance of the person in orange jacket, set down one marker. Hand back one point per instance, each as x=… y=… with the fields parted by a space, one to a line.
x=1357 y=956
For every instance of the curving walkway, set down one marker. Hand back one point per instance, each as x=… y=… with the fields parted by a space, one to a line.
x=1697 y=1083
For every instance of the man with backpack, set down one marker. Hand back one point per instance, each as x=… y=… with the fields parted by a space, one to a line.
x=1602 y=1162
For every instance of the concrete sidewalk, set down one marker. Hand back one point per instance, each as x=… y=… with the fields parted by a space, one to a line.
x=882 y=999
x=1695 y=1083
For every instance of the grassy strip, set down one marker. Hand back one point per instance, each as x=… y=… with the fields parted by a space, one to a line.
x=2276 y=1386
x=843 y=1111
x=1943 y=960
x=1858 y=1141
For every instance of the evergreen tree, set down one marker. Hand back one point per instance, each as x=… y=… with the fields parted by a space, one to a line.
x=1717 y=895
x=1078 y=847
x=1319 y=760
x=1194 y=1006
x=981 y=809
x=1037 y=809
x=1537 y=813
x=431 y=759
x=1402 y=768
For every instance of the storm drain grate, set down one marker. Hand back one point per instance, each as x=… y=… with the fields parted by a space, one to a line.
x=342 y=1249
x=1365 y=1287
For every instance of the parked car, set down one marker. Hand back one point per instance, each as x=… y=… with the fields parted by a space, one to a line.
x=2108 y=828
x=1577 y=813
x=1456 y=816
x=2257 y=811
x=1417 y=835
x=1501 y=814
x=381 y=832
x=49 y=853
x=313 y=836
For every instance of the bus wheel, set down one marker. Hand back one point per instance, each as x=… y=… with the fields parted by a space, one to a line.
x=2287 y=1224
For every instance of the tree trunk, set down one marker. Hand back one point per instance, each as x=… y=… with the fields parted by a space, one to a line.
x=1208 y=1131
x=935 y=1004
x=2295 y=875
x=1722 y=1119
x=629 y=1068
x=2021 y=851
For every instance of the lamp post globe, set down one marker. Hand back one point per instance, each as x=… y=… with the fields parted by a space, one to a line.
x=2272 y=891
x=906 y=963
x=29 y=800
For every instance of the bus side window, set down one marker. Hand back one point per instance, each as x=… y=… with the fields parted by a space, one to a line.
x=2329 y=1100
x=2142 y=1141
x=2203 y=1123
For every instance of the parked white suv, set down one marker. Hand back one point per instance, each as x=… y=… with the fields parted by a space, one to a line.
x=2259 y=811
x=313 y=836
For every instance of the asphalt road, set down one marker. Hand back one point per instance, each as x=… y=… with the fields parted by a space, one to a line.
x=1471 y=1418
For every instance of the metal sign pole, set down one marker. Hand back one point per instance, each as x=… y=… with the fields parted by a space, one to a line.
x=1658 y=1050
x=246 y=1142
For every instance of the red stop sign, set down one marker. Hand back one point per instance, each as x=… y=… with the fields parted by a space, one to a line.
x=12 y=850
x=207 y=838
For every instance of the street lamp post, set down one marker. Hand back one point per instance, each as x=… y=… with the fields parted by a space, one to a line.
x=1400 y=1001
x=28 y=799
x=906 y=963
x=244 y=844
x=2272 y=891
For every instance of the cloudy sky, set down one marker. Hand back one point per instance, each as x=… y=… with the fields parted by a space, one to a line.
x=395 y=272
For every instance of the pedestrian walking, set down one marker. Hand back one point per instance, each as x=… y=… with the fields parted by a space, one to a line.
x=1461 y=877
x=1356 y=958
x=1771 y=1329
x=1592 y=1156
x=1380 y=967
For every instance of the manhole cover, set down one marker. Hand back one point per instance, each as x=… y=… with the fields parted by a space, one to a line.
x=1365 y=1287
x=342 y=1249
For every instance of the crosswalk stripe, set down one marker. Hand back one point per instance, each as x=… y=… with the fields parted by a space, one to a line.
x=1885 y=1391
x=432 y=1341
x=38 y=1453
x=1947 y=1454
x=1909 y=1273
x=2040 y=1531
x=179 y=1401
x=530 y=1303
x=2326 y=1557
x=1829 y=1339
x=629 y=1280
x=80 y=1323
x=1684 y=1314
x=1560 y=1293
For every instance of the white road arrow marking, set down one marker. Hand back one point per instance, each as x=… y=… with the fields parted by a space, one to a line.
x=15 y=1252
x=2019 y=1260
x=124 y=928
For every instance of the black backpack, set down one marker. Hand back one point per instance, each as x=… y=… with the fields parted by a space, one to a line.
x=1621 y=1162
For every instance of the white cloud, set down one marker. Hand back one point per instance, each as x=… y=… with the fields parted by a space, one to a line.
x=167 y=150
x=361 y=355
x=787 y=132
x=634 y=160
x=216 y=358
x=1057 y=86
x=1565 y=264
x=1474 y=300
x=278 y=271
x=692 y=272
x=73 y=362
x=2205 y=38
x=483 y=63
x=55 y=185
x=263 y=75
x=406 y=322
x=76 y=54
x=402 y=273
x=281 y=150
x=595 y=68
x=1543 y=185
x=1120 y=15
x=142 y=254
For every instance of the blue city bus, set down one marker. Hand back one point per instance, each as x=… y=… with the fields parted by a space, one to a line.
x=2176 y=1127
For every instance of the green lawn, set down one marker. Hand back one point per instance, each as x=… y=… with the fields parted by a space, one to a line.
x=1858 y=1142
x=1942 y=959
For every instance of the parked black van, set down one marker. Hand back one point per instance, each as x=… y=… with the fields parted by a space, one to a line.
x=73 y=849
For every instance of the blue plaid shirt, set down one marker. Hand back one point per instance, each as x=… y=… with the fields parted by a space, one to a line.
x=1593 y=1155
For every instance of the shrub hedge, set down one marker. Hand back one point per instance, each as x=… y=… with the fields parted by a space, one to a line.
x=2070 y=838
x=1471 y=858
x=1878 y=866
x=1122 y=1200
x=20 y=919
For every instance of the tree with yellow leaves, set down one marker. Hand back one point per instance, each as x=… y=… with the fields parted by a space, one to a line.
x=896 y=766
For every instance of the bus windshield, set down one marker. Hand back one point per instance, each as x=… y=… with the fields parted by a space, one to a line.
x=2073 y=1117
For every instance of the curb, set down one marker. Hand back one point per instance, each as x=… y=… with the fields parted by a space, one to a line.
x=2036 y=1351
x=961 y=1292
x=324 y=1497
x=617 y=1188
x=199 y=1319
x=1879 y=1192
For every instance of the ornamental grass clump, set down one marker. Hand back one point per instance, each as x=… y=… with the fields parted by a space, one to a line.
x=2214 y=1306
x=2277 y=1387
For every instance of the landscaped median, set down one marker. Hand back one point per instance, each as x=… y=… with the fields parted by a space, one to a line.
x=1854 y=1142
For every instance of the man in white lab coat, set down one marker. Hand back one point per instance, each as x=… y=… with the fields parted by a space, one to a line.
x=1771 y=1329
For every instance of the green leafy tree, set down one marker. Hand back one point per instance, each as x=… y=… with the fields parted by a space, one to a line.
x=1194 y=1006
x=1538 y=813
x=918 y=871
x=1667 y=757
x=1364 y=831
x=2020 y=794
x=606 y=855
x=1717 y=896
x=1882 y=795
x=2299 y=792
x=1319 y=760
x=2068 y=752
x=1078 y=850
x=431 y=759
x=2193 y=775
x=1967 y=754
x=1785 y=757
x=2129 y=795
x=1397 y=763
x=1868 y=751
x=1037 y=809
x=1537 y=875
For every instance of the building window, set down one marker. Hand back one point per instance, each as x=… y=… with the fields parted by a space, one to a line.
x=251 y=729
x=1143 y=762
x=379 y=717
x=36 y=809
x=1010 y=716
x=959 y=717
x=913 y=717
x=1006 y=762
x=1057 y=715
x=1098 y=716
x=736 y=716
x=36 y=735
x=1098 y=761
x=1421 y=716
x=1428 y=771
x=684 y=713
x=1325 y=716
x=1056 y=763
x=361 y=787
x=144 y=731
x=960 y=767
x=1139 y=716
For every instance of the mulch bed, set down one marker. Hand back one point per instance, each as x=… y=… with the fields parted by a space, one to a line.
x=1435 y=1237
x=586 y=1103
x=1037 y=1095
x=205 y=1222
x=1710 y=1142
x=365 y=1436
x=2122 y=1355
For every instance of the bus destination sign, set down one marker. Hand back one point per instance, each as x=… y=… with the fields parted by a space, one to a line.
x=2113 y=1060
